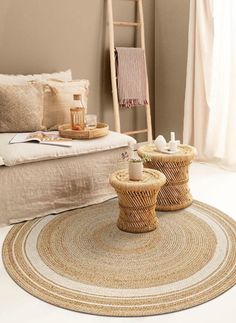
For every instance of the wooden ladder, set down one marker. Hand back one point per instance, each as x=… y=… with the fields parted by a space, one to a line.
x=138 y=24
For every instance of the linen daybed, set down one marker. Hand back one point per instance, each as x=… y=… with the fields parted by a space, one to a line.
x=37 y=180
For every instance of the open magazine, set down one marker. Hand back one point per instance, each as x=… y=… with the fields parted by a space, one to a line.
x=47 y=138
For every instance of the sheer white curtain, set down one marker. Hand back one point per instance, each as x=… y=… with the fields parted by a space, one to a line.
x=210 y=98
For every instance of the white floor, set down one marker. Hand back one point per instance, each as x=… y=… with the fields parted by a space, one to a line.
x=208 y=184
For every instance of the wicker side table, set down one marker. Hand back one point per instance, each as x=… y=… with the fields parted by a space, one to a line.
x=175 y=194
x=137 y=200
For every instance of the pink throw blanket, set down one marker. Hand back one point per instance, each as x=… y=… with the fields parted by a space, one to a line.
x=131 y=77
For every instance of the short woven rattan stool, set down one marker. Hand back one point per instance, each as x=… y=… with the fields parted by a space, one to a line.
x=137 y=200
x=175 y=194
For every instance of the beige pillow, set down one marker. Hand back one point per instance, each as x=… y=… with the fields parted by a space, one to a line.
x=59 y=100
x=21 y=107
x=21 y=79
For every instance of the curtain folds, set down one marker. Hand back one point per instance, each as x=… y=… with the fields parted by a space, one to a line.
x=210 y=97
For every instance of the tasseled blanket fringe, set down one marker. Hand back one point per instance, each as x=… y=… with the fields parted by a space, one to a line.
x=131 y=103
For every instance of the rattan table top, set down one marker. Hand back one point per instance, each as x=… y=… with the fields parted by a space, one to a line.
x=151 y=179
x=184 y=152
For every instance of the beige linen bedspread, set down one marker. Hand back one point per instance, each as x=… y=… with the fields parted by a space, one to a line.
x=36 y=189
x=16 y=154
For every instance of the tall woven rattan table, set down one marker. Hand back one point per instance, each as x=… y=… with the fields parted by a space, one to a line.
x=137 y=200
x=175 y=194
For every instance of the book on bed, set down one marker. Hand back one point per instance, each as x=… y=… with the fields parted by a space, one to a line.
x=46 y=138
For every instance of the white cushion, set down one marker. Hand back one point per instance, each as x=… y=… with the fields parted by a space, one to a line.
x=19 y=79
x=59 y=100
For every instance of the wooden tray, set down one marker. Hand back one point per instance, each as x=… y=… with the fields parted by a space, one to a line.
x=65 y=131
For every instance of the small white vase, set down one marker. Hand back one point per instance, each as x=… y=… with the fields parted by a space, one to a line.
x=135 y=170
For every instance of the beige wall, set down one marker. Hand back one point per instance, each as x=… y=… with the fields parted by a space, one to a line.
x=49 y=35
x=171 y=37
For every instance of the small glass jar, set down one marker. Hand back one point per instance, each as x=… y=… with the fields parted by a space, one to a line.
x=77 y=114
x=91 y=121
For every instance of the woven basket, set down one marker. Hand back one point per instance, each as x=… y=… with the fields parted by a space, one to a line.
x=175 y=194
x=137 y=200
x=65 y=131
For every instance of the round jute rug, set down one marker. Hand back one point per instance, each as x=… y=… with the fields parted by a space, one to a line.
x=81 y=261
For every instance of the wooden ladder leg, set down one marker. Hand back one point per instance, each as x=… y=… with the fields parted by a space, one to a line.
x=148 y=108
x=113 y=66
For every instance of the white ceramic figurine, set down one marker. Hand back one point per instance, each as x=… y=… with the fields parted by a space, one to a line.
x=160 y=143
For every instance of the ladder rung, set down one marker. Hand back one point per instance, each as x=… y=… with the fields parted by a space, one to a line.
x=135 y=132
x=127 y=24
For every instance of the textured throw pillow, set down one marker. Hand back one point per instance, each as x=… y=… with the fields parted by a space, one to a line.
x=21 y=107
x=58 y=100
x=20 y=79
